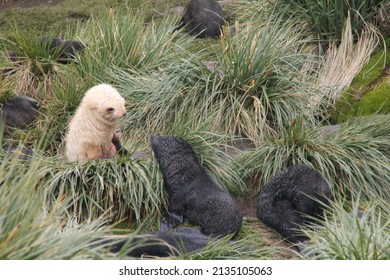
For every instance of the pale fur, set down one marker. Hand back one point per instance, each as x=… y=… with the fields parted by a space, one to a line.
x=92 y=127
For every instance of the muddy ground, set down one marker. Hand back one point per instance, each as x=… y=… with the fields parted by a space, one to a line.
x=9 y=4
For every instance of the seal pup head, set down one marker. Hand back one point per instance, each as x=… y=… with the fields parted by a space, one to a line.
x=105 y=103
x=168 y=147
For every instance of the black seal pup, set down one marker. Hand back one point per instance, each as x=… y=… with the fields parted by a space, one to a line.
x=19 y=111
x=22 y=153
x=65 y=49
x=293 y=197
x=193 y=194
x=13 y=59
x=202 y=18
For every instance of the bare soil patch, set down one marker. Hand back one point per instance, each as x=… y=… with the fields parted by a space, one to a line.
x=9 y=4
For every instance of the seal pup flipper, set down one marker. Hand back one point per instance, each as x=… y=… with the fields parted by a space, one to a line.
x=185 y=239
x=171 y=220
x=175 y=215
x=118 y=146
x=160 y=243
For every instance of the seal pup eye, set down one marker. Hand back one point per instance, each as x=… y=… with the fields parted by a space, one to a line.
x=110 y=110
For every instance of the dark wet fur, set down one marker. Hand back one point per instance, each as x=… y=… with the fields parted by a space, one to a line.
x=66 y=49
x=12 y=57
x=160 y=243
x=118 y=146
x=22 y=153
x=19 y=111
x=202 y=18
x=286 y=202
x=192 y=192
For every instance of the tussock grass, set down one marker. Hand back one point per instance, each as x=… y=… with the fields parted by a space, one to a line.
x=326 y=19
x=129 y=190
x=117 y=40
x=30 y=230
x=5 y=90
x=35 y=70
x=344 y=61
x=253 y=11
x=343 y=235
x=353 y=159
x=30 y=48
x=226 y=249
x=265 y=75
x=262 y=79
x=158 y=98
x=383 y=16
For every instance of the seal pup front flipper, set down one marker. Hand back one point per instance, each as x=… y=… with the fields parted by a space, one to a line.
x=118 y=146
x=170 y=221
x=175 y=215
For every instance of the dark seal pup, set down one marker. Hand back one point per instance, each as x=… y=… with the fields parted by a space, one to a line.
x=118 y=146
x=19 y=111
x=202 y=18
x=286 y=202
x=160 y=243
x=65 y=49
x=12 y=57
x=22 y=153
x=192 y=192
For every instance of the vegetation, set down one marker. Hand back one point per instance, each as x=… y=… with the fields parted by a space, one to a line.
x=353 y=230
x=366 y=94
x=326 y=19
x=30 y=230
x=270 y=84
x=65 y=17
x=353 y=157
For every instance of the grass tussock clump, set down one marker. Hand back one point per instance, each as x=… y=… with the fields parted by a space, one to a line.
x=117 y=40
x=343 y=61
x=353 y=158
x=29 y=65
x=354 y=230
x=265 y=74
x=326 y=19
x=30 y=230
x=261 y=79
x=160 y=98
x=130 y=190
